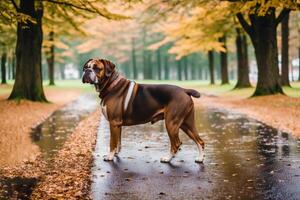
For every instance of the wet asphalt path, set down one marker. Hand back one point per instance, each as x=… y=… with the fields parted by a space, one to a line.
x=245 y=159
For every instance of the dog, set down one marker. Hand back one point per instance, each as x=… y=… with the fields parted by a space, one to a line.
x=126 y=103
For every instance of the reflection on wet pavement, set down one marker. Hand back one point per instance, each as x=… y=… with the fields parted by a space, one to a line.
x=245 y=159
x=52 y=133
x=49 y=136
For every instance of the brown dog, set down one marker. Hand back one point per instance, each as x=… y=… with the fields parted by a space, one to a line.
x=126 y=103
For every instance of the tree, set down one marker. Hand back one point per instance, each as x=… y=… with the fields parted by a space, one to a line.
x=28 y=83
x=242 y=60
x=262 y=30
x=134 y=67
x=211 y=67
x=206 y=22
x=3 y=67
x=224 y=63
x=158 y=60
x=285 y=51
x=50 y=59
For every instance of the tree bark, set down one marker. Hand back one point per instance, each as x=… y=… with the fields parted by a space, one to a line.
x=224 y=63
x=158 y=64
x=3 y=67
x=134 y=67
x=242 y=60
x=262 y=32
x=28 y=84
x=166 y=66
x=179 y=76
x=51 y=59
x=285 y=51
x=211 y=67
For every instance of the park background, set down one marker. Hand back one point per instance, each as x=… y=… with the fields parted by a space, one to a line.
x=242 y=56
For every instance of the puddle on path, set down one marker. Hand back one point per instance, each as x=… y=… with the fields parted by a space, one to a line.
x=245 y=159
x=52 y=133
x=49 y=136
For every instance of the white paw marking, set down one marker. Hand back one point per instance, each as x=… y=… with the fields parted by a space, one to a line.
x=167 y=159
x=109 y=157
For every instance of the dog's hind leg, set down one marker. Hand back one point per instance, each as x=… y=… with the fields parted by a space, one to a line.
x=188 y=126
x=173 y=131
x=115 y=133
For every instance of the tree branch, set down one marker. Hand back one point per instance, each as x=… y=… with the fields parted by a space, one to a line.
x=247 y=27
x=15 y=5
x=64 y=3
x=282 y=14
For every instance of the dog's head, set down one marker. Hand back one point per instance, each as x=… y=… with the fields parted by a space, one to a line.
x=95 y=70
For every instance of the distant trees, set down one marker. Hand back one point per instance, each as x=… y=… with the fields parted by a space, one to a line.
x=29 y=15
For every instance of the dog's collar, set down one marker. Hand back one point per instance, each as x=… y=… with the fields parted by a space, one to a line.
x=105 y=90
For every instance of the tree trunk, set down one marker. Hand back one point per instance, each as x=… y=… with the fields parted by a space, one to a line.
x=3 y=67
x=134 y=67
x=50 y=59
x=262 y=32
x=167 y=70
x=13 y=66
x=9 y=61
x=266 y=52
x=145 y=73
x=242 y=60
x=285 y=51
x=28 y=84
x=149 y=65
x=179 y=76
x=211 y=67
x=185 y=64
x=158 y=64
x=224 y=63
x=193 y=68
x=62 y=71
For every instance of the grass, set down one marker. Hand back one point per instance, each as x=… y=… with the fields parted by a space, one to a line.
x=202 y=86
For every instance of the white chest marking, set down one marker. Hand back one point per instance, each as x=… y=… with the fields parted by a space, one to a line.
x=104 y=111
x=126 y=102
x=128 y=96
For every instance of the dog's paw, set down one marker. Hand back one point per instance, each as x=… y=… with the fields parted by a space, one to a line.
x=108 y=158
x=199 y=160
x=166 y=159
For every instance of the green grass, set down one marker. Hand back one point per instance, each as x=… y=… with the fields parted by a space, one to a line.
x=202 y=86
x=69 y=84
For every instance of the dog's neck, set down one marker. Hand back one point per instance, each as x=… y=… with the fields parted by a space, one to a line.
x=105 y=86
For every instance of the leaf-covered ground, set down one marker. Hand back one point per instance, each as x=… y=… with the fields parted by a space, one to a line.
x=17 y=118
x=68 y=176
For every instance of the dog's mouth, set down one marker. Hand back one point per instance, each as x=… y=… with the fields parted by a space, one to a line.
x=89 y=77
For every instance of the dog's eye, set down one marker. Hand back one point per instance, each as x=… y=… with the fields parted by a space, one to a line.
x=96 y=69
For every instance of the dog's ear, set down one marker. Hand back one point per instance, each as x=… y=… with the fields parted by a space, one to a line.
x=85 y=64
x=109 y=67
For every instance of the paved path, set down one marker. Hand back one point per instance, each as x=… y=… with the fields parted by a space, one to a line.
x=244 y=160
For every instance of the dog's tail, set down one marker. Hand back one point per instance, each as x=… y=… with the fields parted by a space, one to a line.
x=192 y=92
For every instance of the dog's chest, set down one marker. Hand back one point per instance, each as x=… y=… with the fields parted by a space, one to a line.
x=104 y=110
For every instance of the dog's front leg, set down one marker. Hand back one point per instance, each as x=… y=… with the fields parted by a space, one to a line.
x=115 y=133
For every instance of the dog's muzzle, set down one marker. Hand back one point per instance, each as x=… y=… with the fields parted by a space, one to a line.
x=89 y=76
